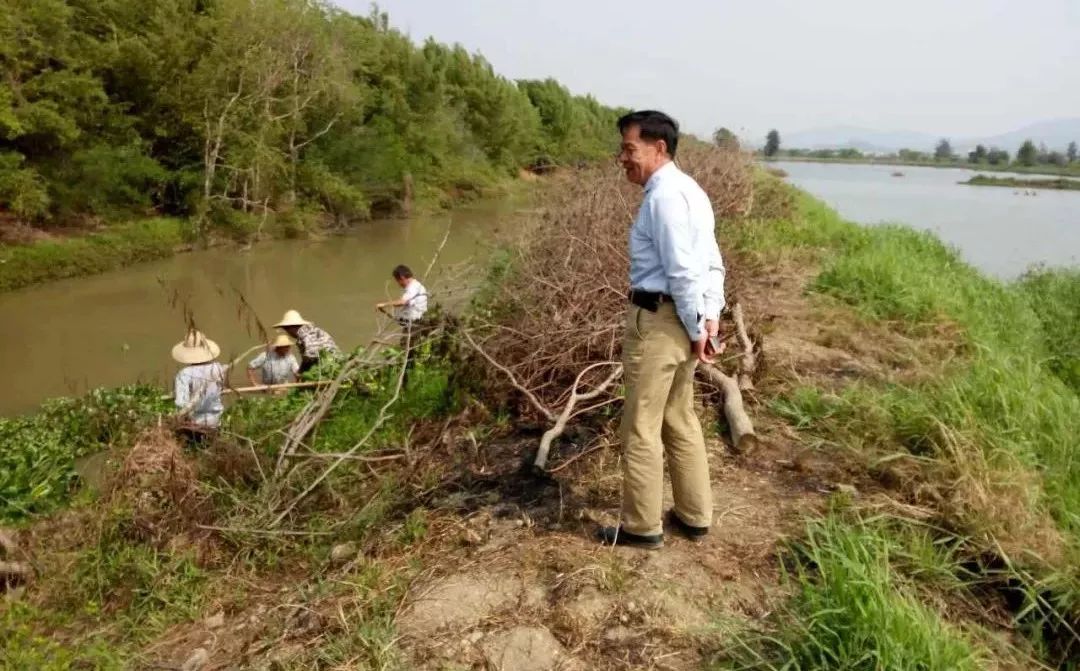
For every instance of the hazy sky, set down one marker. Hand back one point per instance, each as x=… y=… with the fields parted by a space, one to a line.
x=949 y=67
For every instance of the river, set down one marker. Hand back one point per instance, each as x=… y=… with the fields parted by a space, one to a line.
x=999 y=230
x=65 y=337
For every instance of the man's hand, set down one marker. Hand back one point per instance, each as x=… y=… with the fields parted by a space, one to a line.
x=698 y=349
x=712 y=330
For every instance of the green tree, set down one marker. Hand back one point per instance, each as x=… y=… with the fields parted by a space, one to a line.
x=997 y=156
x=1071 y=151
x=1027 y=154
x=772 y=143
x=978 y=155
x=725 y=139
x=242 y=110
x=912 y=155
x=943 y=151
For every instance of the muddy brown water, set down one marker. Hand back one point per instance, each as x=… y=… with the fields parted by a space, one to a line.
x=65 y=337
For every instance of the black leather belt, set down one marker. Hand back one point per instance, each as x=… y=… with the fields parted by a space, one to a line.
x=648 y=300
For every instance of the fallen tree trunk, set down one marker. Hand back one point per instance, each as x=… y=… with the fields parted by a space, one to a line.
x=743 y=437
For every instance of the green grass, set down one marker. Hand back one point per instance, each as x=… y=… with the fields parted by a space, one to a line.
x=1061 y=184
x=1003 y=397
x=1008 y=395
x=115 y=247
x=861 y=602
x=1000 y=422
x=24 y=644
x=1054 y=295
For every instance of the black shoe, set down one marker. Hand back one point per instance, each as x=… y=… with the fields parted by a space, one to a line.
x=616 y=536
x=691 y=532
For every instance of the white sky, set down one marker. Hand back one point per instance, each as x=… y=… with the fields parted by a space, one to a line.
x=948 y=67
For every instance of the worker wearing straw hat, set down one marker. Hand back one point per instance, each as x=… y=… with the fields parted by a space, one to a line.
x=199 y=383
x=314 y=343
x=276 y=363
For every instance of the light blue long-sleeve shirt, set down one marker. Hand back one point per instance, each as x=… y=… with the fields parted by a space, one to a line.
x=673 y=248
x=197 y=390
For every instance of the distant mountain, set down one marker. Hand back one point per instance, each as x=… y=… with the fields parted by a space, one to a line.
x=854 y=137
x=1056 y=134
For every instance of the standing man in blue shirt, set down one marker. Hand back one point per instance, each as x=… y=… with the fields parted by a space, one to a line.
x=676 y=295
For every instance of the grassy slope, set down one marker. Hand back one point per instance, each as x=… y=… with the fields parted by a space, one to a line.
x=998 y=431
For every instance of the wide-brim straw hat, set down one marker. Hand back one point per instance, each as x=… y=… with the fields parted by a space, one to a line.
x=195 y=348
x=282 y=341
x=292 y=318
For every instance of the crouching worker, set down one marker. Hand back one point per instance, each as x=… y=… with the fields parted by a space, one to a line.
x=275 y=365
x=314 y=343
x=198 y=387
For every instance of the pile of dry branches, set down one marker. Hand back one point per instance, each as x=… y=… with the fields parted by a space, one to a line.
x=551 y=342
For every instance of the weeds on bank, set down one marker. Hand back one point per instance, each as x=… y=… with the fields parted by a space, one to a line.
x=867 y=594
x=988 y=446
x=1054 y=295
x=126 y=577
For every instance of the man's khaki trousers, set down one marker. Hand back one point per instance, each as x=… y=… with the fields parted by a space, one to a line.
x=658 y=417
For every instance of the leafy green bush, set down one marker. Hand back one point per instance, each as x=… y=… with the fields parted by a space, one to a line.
x=109 y=181
x=37 y=463
x=22 y=190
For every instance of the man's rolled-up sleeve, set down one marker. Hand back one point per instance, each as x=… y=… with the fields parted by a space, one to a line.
x=674 y=237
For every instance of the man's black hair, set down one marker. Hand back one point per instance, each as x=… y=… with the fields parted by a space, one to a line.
x=402 y=272
x=654 y=126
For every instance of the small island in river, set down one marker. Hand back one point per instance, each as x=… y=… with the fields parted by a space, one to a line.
x=1060 y=183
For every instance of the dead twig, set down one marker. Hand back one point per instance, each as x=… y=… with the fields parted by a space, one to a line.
x=568 y=410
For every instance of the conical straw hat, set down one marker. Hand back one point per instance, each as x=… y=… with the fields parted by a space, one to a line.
x=196 y=348
x=292 y=318
x=282 y=341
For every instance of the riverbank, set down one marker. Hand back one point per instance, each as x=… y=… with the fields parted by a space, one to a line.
x=114 y=247
x=1065 y=171
x=122 y=244
x=912 y=500
x=1061 y=184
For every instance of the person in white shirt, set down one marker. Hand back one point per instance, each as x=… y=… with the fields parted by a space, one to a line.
x=197 y=387
x=276 y=364
x=412 y=305
x=676 y=295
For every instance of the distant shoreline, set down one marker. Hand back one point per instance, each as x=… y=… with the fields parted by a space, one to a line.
x=976 y=167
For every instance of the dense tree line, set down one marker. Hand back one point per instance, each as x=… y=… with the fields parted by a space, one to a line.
x=1028 y=155
x=220 y=108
